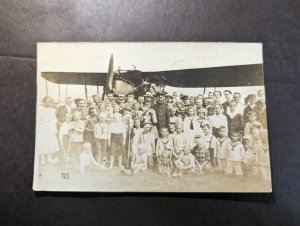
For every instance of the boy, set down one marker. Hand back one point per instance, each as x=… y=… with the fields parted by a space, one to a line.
x=211 y=144
x=117 y=139
x=235 y=156
x=252 y=123
x=102 y=139
x=86 y=158
x=222 y=149
x=202 y=156
x=164 y=151
x=249 y=157
x=185 y=162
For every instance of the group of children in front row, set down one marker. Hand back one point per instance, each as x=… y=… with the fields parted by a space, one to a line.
x=174 y=154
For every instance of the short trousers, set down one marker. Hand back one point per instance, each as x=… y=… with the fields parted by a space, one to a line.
x=116 y=148
x=234 y=165
x=101 y=145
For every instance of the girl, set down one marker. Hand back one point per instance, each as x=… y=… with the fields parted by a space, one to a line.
x=76 y=131
x=64 y=136
x=185 y=162
x=179 y=142
x=202 y=157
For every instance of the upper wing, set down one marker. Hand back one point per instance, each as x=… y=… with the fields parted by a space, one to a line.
x=243 y=75
x=76 y=78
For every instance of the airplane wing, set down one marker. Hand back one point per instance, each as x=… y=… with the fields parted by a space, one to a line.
x=76 y=78
x=242 y=75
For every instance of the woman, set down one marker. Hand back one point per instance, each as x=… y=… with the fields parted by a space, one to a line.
x=47 y=142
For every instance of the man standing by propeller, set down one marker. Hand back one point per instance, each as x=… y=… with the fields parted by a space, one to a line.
x=162 y=111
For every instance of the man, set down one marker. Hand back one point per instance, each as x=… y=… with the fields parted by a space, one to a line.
x=217 y=95
x=169 y=101
x=251 y=106
x=96 y=99
x=176 y=97
x=198 y=104
x=210 y=95
x=227 y=95
x=239 y=108
x=62 y=111
x=234 y=119
x=82 y=108
x=162 y=111
x=110 y=97
x=130 y=99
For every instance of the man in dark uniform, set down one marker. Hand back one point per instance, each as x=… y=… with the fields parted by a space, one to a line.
x=162 y=111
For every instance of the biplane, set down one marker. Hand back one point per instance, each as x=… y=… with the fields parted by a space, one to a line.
x=138 y=82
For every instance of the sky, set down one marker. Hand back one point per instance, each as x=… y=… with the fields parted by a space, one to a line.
x=148 y=56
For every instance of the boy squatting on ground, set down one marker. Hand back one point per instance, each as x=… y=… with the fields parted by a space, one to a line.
x=86 y=158
x=185 y=162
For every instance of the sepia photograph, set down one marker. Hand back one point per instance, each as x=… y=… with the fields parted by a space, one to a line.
x=151 y=117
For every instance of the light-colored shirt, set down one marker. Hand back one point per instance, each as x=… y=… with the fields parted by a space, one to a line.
x=102 y=131
x=219 y=120
x=236 y=152
x=77 y=132
x=163 y=144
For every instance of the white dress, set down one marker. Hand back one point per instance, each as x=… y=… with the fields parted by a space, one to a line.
x=47 y=141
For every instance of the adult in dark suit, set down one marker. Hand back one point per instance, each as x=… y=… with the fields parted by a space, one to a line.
x=225 y=105
x=162 y=111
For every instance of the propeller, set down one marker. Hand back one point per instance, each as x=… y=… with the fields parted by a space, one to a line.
x=110 y=76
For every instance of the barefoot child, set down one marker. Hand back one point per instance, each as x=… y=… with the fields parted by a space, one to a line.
x=202 y=157
x=235 y=156
x=64 y=136
x=76 y=131
x=179 y=142
x=117 y=139
x=248 y=163
x=102 y=139
x=139 y=160
x=185 y=162
x=222 y=149
x=211 y=144
x=86 y=158
x=164 y=151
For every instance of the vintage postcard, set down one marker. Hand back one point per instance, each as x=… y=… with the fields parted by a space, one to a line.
x=151 y=117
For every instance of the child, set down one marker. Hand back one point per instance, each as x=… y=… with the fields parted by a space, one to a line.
x=185 y=162
x=202 y=156
x=171 y=130
x=218 y=120
x=102 y=139
x=211 y=144
x=173 y=117
x=179 y=142
x=248 y=162
x=145 y=140
x=252 y=123
x=235 y=156
x=117 y=139
x=222 y=149
x=139 y=160
x=86 y=158
x=164 y=151
x=136 y=128
x=202 y=119
x=261 y=152
x=76 y=131
x=88 y=134
x=191 y=126
x=64 y=136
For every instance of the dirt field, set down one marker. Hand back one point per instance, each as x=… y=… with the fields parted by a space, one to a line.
x=59 y=177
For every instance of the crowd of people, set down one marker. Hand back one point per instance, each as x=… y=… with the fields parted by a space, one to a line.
x=170 y=134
